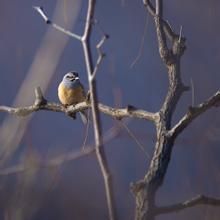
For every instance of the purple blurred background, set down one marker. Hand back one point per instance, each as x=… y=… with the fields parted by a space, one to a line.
x=75 y=190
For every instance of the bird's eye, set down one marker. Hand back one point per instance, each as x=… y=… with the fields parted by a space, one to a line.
x=70 y=77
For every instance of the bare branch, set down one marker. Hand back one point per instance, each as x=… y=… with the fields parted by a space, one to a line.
x=100 y=152
x=56 y=26
x=145 y=189
x=159 y=8
x=167 y=29
x=165 y=53
x=39 y=99
x=194 y=112
x=101 y=55
x=198 y=200
x=120 y=113
x=42 y=104
x=180 y=34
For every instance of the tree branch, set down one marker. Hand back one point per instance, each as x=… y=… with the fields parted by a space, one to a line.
x=194 y=112
x=40 y=10
x=167 y=29
x=165 y=53
x=43 y=104
x=145 y=190
x=100 y=152
x=101 y=55
x=198 y=200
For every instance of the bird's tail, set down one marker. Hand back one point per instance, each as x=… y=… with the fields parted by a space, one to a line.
x=84 y=116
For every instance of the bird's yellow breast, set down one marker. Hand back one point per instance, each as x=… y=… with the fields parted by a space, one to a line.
x=69 y=96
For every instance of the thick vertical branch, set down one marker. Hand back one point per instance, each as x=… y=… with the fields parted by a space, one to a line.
x=100 y=153
x=145 y=190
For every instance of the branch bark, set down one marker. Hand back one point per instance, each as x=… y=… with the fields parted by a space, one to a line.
x=194 y=112
x=198 y=200
x=100 y=152
x=167 y=29
x=43 y=104
x=145 y=189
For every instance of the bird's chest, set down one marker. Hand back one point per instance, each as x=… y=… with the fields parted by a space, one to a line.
x=70 y=96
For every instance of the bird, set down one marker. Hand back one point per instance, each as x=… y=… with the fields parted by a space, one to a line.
x=71 y=92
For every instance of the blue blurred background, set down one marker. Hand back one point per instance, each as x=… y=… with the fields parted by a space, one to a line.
x=75 y=190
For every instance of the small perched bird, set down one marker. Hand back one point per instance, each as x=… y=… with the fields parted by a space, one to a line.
x=71 y=92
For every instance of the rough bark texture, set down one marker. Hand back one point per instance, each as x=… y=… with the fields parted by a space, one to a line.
x=146 y=189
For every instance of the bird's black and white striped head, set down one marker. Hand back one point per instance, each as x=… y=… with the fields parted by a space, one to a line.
x=71 y=80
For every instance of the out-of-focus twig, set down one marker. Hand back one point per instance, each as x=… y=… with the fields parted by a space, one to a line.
x=109 y=135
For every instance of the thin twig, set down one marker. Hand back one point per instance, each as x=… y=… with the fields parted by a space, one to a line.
x=142 y=43
x=86 y=131
x=180 y=34
x=131 y=134
x=167 y=28
x=40 y=10
x=193 y=91
x=198 y=200
x=165 y=54
x=194 y=112
x=100 y=152
x=101 y=55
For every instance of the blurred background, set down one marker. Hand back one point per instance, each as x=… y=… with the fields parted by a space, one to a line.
x=33 y=54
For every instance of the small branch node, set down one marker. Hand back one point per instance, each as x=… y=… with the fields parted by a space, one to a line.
x=40 y=10
x=130 y=108
x=191 y=110
x=137 y=187
x=39 y=99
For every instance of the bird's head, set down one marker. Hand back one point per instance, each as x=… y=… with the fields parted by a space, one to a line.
x=71 y=76
x=71 y=80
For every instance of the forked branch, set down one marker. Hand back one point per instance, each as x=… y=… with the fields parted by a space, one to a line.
x=100 y=152
x=40 y=10
x=167 y=29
